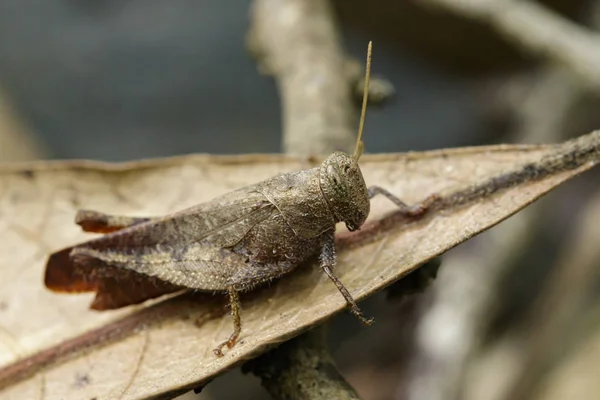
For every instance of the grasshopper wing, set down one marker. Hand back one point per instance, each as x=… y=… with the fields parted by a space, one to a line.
x=163 y=255
x=115 y=287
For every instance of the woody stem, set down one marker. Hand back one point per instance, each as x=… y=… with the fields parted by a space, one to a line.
x=316 y=120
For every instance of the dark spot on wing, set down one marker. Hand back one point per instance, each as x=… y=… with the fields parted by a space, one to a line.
x=178 y=253
x=139 y=257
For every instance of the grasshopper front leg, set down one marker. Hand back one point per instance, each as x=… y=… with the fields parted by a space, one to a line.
x=328 y=260
x=410 y=211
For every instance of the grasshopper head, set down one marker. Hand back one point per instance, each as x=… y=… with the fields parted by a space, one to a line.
x=340 y=177
x=344 y=189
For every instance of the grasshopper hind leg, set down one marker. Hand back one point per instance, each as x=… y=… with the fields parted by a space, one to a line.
x=234 y=300
x=98 y=222
x=245 y=280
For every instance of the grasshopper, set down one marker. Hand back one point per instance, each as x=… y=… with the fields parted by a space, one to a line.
x=231 y=244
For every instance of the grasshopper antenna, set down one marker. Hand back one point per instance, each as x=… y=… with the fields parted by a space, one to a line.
x=358 y=150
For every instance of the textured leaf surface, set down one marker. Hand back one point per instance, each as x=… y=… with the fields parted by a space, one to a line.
x=158 y=348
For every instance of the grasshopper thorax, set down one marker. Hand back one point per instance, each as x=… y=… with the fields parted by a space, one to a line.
x=344 y=189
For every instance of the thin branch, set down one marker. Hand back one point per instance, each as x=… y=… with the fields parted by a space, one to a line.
x=536 y=30
x=298 y=42
x=302 y=369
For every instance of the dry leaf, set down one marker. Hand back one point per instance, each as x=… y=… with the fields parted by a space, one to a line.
x=157 y=349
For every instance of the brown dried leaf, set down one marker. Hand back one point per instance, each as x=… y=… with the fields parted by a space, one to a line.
x=157 y=349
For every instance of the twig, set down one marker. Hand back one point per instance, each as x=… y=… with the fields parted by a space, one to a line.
x=536 y=30
x=302 y=369
x=297 y=41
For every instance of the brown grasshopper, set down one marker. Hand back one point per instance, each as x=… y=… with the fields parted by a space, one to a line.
x=230 y=244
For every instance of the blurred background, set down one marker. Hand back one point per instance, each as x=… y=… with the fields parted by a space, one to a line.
x=513 y=314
